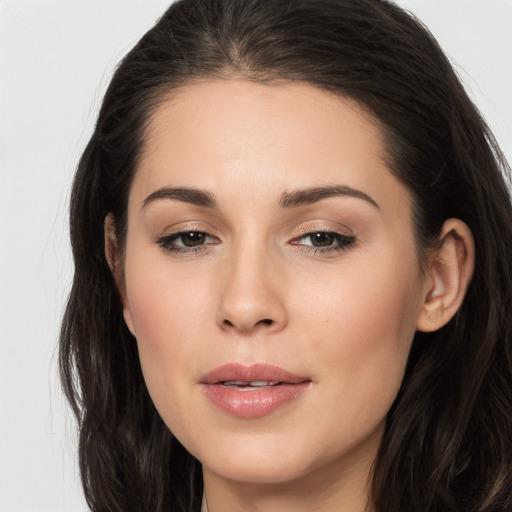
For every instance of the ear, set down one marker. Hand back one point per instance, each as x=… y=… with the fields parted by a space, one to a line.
x=114 y=260
x=449 y=274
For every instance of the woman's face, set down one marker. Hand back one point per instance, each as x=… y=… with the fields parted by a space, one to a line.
x=271 y=278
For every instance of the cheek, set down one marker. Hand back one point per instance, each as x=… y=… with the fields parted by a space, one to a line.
x=165 y=300
x=169 y=318
x=163 y=309
x=360 y=329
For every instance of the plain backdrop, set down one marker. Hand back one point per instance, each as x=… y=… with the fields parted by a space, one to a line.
x=56 y=58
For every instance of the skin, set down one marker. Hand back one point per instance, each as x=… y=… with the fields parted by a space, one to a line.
x=257 y=290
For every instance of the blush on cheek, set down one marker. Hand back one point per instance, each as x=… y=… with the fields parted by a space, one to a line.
x=366 y=335
x=168 y=318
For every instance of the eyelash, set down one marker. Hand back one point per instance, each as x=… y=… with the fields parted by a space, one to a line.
x=343 y=242
x=167 y=241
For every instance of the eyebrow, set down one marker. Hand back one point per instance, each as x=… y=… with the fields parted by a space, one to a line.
x=186 y=195
x=288 y=199
x=312 y=195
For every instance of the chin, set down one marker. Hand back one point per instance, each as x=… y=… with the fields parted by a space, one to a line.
x=258 y=472
x=287 y=456
x=263 y=460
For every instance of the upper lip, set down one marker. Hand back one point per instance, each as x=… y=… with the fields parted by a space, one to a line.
x=249 y=373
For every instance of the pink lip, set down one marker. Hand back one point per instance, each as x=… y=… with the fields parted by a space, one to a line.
x=252 y=402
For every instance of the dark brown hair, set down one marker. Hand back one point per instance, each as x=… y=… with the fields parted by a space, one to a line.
x=448 y=439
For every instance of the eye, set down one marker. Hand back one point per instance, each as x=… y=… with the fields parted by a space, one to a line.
x=325 y=241
x=186 y=241
x=189 y=238
x=321 y=239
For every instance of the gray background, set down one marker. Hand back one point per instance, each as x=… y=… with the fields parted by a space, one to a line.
x=55 y=62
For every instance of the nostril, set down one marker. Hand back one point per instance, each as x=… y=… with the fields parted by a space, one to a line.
x=248 y=327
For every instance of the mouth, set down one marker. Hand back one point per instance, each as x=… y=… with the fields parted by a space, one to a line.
x=248 y=385
x=254 y=375
x=252 y=391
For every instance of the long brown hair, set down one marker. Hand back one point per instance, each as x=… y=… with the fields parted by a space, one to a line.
x=448 y=439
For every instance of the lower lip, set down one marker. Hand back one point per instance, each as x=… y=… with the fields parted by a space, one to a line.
x=253 y=402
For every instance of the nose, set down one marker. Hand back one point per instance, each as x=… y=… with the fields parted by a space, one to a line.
x=252 y=295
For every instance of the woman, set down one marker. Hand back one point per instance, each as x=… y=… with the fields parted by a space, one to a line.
x=291 y=237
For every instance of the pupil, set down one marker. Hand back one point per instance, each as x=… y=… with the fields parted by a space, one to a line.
x=192 y=238
x=322 y=239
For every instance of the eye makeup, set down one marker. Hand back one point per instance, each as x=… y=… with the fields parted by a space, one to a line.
x=187 y=241
x=315 y=241
x=324 y=241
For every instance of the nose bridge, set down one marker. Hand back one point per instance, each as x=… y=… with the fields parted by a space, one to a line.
x=251 y=297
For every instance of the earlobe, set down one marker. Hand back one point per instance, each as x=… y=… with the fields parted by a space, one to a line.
x=113 y=256
x=449 y=274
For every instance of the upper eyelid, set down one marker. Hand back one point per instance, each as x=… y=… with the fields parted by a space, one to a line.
x=301 y=233
x=191 y=230
x=178 y=234
x=308 y=226
x=187 y=228
x=341 y=230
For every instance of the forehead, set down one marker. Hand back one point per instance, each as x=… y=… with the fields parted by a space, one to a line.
x=245 y=137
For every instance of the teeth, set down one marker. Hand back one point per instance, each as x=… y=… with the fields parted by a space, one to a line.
x=254 y=383
x=258 y=383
